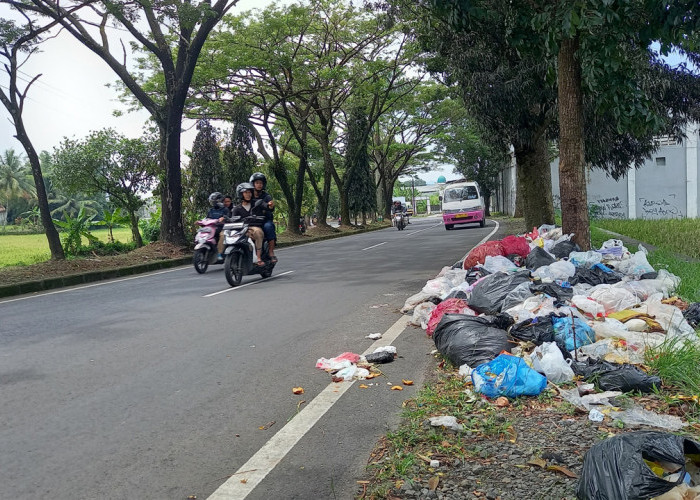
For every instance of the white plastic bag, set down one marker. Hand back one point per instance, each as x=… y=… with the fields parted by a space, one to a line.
x=635 y=265
x=559 y=270
x=548 y=360
x=590 y=307
x=670 y=318
x=421 y=314
x=437 y=286
x=585 y=259
x=496 y=263
x=613 y=299
x=454 y=276
x=416 y=299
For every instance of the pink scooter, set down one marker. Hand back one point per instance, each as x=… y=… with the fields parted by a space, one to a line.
x=205 y=250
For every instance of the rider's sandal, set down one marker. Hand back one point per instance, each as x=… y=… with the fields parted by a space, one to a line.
x=260 y=263
x=273 y=259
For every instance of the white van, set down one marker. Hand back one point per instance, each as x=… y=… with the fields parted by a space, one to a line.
x=462 y=204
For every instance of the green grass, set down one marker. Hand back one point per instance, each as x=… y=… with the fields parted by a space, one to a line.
x=676 y=362
x=676 y=235
x=27 y=249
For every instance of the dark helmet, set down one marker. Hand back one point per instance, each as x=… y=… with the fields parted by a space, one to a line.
x=244 y=186
x=258 y=176
x=216 y=199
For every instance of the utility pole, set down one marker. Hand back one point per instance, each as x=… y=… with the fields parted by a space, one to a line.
x=413 y=187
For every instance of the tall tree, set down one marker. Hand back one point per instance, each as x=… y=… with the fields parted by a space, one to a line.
x=359 y=186
x=171 y=33
x=205 y=165
x=238 y=157
x=14 y=41
x=107 y=162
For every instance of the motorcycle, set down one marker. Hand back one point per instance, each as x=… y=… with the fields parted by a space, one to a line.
x=239 y=252
x=399 y=221
x=302 y=225
x=205 y=250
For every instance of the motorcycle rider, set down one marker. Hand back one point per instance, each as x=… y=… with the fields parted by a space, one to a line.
x=245 y=208
x=228 y=204
x=259 y=182
x=399 y=208
x=220 y=212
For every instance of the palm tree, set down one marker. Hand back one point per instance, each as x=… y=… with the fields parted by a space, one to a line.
x=15 y=179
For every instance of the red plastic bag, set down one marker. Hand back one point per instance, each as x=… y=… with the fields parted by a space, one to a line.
x=515 y=245
x=478 y=254
x=449 y=306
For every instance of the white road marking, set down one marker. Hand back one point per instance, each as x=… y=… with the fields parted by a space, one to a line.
x=484 y=240
x=250 y=474
x=248 y=284
x=374 y=246
x=101 y=283
x=411 y=233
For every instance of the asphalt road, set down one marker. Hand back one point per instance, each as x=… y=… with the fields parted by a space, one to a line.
x=156 y=386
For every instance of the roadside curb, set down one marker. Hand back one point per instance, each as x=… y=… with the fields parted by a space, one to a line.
x=118 y=272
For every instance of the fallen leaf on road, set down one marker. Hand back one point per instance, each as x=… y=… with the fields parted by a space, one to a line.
x=512 y=434
x=244 y=481
x=266 y=426
x=407 y=382
x=298 y=390
x=363 y=386
x=538 y=462
x=397 y=388
x=372 y=375
x=446 y=444
x=563 y=470
x=502 y=402
x=433 y=483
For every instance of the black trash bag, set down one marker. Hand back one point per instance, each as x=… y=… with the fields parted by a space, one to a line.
x=537 y=330
x=516 y=296
x=456 y=294
x=563 y=249
x=692 y=314
x=553 y=290
x=614 y=469
x=487 y=296
x=538 y=257
x=616 y=377
x=595 y=276
x=516 y=259
x=475 y=274
x=503 y=321
x=649 y=276
x=469 y=339
x=380 y=357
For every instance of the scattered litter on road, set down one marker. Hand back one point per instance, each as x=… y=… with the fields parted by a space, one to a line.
x=446 y=421
x=298 y=390
x=374 y=336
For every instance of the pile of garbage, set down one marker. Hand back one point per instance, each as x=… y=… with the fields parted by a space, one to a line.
x=350 y=366
x=530 y=311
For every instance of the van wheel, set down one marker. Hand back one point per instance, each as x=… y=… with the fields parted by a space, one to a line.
x=482 y=223
x=448 y=226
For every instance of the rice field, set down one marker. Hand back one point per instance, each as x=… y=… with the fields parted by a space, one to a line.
x=26 y=249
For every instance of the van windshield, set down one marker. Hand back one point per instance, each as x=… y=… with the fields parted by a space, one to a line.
x=459 y=194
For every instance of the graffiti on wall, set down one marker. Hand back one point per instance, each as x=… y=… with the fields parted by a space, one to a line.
x=608 y=208
x=660 y=208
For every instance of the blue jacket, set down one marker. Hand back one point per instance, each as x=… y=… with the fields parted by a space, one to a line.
x=215 y=213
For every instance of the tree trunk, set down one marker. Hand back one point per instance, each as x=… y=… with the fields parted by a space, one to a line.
x=135 y=233
x=46 y=220
x=487 y=204
x=535 y=184
x=171 y=229
x=572 y=167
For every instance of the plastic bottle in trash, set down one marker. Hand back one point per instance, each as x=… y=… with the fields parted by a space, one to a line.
x=588 y=306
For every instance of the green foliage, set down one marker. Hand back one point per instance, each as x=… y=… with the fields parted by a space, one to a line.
x=239 y=160
x=16 y=181
x=359 y=184
x=112 y=219
x=676 y=235
x=74 y=229
x=207 y=175
x=150 y=228
x=676 y=361
x=98 y=247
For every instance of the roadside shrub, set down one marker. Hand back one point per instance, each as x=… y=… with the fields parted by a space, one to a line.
x=98 y=247
x=150 y=228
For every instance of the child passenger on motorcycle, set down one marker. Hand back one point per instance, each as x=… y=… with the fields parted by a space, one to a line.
x=247 y=208
x=219 y=212
x=259 y=182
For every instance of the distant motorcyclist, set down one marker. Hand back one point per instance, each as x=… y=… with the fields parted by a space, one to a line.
x=259 y=182
x=219 y=212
